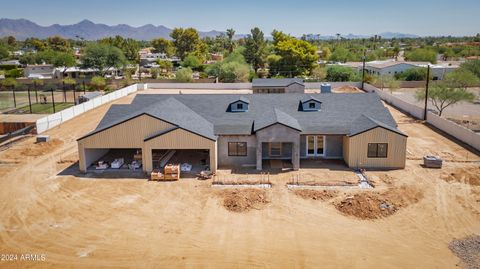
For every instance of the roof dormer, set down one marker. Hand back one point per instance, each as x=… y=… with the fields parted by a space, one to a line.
x=240 y=105
x=311 y=104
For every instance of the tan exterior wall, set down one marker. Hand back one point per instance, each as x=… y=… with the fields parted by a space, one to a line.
x=179 y=139
x=355 y=149
x=129 y=134
x=228 y=161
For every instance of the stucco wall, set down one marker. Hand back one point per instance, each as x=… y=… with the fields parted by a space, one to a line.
x=279 y=133
x=334 y=145
x=225 y=160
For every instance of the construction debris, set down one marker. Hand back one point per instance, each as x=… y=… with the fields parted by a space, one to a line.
x=468 y=250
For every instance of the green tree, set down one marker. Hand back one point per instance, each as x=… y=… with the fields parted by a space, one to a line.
x=413 y=74
x=422 y=55
x=341 y=54
x=184 y=75
x=165 y=66
x=58 y=43
x=98 y=83
x=341 y=73
x=4 y=54
x=232 y=69
x=472 y=66
x=461 y=78
x=388 y=81
x=128 y=46
x=185 y=40
x=231 y=43
x=9 y=83
x=35 y=43
x=255 y=49
x=192 y=61
x=163 y=45
x=442 y=96
x=103 y=57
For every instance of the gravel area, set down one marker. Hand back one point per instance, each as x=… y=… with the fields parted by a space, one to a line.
x=468 y=250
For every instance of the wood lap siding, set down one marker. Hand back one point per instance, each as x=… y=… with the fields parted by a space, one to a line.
x=356 y=148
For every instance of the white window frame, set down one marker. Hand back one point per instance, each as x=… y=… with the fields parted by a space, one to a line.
x=315 y=140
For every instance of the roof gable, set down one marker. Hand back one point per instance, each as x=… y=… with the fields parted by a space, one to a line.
x=276 y=116
x=365 y=123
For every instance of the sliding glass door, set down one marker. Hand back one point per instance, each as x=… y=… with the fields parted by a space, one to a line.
x=315 y=145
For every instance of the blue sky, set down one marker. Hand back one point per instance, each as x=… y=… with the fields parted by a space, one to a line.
x=422 y=17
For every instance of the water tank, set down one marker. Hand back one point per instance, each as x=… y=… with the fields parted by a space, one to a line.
x=325 y=88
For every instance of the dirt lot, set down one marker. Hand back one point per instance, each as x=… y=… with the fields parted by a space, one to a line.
x=132 y=223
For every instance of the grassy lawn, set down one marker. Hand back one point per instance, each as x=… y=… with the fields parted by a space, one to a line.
x=44 y=108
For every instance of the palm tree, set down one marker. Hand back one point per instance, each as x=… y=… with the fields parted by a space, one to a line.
x=230 y=35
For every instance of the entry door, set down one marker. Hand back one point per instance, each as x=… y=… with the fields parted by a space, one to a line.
x=315 y=145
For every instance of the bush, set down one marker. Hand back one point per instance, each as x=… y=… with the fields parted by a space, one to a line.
x=234 y=72
x=341 y=73
x=184 y=75
x=9 y=83
x=98 y=83
x=413 y=74
x=192 y=62
x=14 y=73
x=422 y=55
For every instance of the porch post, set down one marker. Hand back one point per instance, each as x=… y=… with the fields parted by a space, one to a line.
x=296 y=155
x=259 y=155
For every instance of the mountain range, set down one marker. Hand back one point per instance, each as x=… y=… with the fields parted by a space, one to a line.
x=22 y=29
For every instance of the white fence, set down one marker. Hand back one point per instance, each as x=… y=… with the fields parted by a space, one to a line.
x=53 y=120
x=316 y=85
x=459 y=132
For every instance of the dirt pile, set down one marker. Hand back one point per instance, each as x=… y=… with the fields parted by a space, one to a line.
x=244 y=200
x=347 y=89
x=38 y=149
x=469 y=176
x=321 y=195
x=468 y=250
x=375 y=205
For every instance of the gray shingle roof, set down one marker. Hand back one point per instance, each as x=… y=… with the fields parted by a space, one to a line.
x=208 y=115
x=275 y=82
x=364 y=123
x=274 y=116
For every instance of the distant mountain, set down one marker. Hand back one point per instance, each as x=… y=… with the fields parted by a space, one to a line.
x=22 y=28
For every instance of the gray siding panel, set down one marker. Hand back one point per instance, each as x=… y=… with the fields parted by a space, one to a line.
x=334 y=146
x=225 y=160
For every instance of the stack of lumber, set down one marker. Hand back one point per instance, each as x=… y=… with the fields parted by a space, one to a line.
x=171 y=172
x=156 y=175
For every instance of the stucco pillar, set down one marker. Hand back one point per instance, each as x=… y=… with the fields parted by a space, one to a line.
x=296 y=155
x=82 y=162
x=213 y=157
x=259 y=155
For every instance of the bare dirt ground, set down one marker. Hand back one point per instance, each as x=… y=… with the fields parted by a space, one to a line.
x=80 y=222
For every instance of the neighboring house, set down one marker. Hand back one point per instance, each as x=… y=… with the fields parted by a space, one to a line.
x=15 y=63
x=278 y=85
x=74 y=72
x=150 y=59
x=246 y=130
x=391 y=67
x=40 y=71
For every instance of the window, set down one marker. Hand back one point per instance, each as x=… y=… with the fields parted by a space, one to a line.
x=275 y=149
x=240 y=106
x=237 y=148
x=311 y=105
x=377 y=150
x=315 y=145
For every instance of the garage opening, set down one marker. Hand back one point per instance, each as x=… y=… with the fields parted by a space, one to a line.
x=191 y=161
x=114 y=160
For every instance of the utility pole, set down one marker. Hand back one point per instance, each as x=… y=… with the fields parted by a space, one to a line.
x=64 y=92
x=83 y=82
x=35 y=88
x=53 y=102
x=29 y=100
x=426 y=93
x=363 y=68
x=74 y=97
x=14 y=98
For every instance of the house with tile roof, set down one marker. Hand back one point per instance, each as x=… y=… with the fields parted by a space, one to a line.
x=249 y=130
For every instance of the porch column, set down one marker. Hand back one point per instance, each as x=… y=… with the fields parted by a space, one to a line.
x=296 y=155
x=259 y=155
